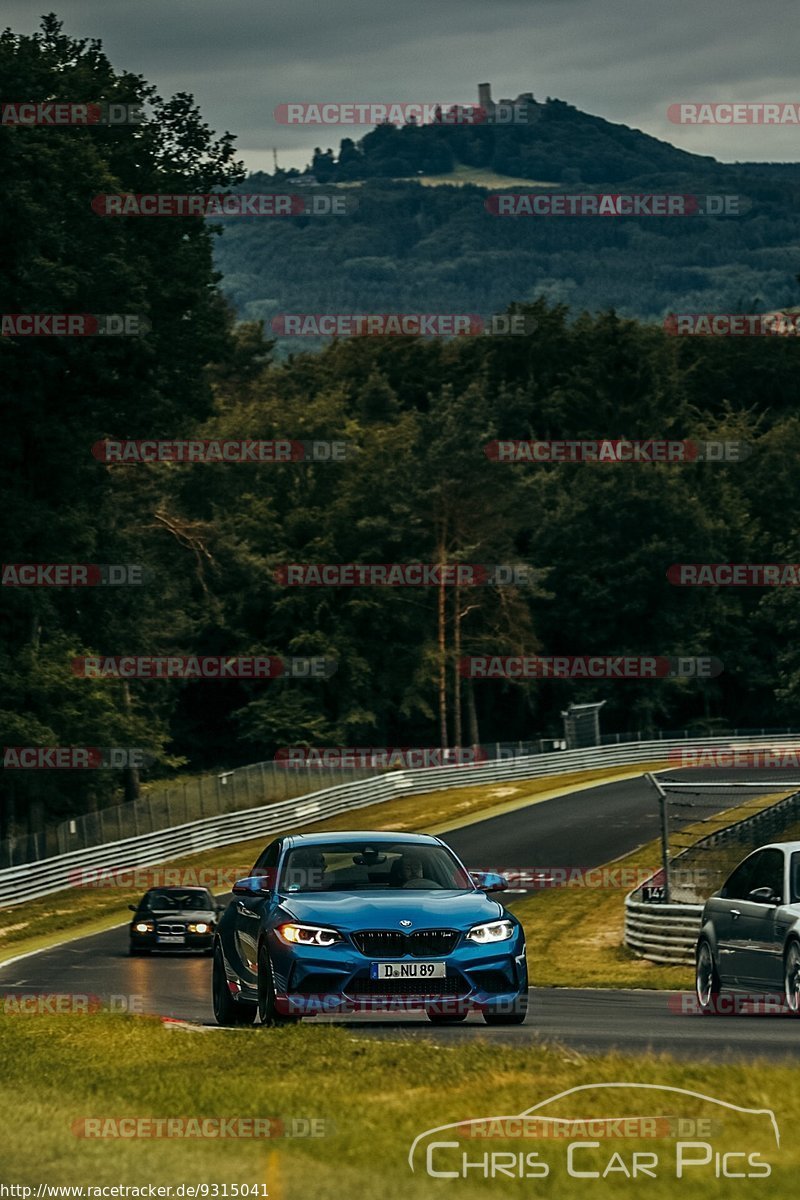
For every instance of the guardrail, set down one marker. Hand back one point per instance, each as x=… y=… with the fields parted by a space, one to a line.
x=167 y=803
x=667 y=933
x=662 y=933
x=50 y=875
x=176 y=803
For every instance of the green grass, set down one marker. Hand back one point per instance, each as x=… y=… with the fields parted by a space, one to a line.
x=575 y=934
x=480 y=177
x=78 y=911
x=377 y=1095
x=463 y=174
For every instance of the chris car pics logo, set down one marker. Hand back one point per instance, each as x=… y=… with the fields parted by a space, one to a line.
x=625 y=1132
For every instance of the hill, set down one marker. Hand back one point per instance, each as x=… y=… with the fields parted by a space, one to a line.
x=554 y=141
x=421 y=239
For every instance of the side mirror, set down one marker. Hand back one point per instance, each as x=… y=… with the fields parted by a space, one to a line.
x=219 y=908
x=489 y=881
x=763 y=895
x=133 y=908
x=253 y=885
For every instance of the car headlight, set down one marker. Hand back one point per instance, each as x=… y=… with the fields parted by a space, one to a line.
x=200 y=927
x=144 y=927
x=309 y=935
x=491 y=931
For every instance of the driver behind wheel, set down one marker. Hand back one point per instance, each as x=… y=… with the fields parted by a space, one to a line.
x=307 y=870
x=410 y=869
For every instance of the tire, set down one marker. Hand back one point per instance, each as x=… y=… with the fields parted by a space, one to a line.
x=228 y=1011
x=517 y=1015
x=791 y=977
x=136 y=950
x=707 y=985
x=266 y=994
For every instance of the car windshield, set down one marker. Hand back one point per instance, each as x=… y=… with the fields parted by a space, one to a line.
x=365 y=866
x=190 y=899
x=795 y=877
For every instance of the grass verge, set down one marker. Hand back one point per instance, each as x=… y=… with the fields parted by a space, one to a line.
x=36 y=924
x=376 y=1096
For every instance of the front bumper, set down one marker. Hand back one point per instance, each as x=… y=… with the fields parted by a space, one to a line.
x=192 y=941
x=310 y=979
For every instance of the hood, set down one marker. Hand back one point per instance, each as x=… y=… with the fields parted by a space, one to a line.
x=381 y=910
x=178 y=914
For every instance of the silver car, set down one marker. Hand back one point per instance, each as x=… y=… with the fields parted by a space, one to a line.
x=750 y=930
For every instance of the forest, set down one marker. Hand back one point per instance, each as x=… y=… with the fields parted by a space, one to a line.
x=416 y=485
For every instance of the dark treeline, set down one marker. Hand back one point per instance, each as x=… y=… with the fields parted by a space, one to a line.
x=411 y=248
x=416 y=487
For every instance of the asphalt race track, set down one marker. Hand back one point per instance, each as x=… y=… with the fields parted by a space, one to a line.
x=580 y=831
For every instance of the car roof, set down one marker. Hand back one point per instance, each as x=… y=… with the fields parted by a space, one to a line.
x=359 y=835
x=784 y=847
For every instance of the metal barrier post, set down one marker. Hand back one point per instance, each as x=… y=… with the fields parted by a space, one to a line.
x=662 y=804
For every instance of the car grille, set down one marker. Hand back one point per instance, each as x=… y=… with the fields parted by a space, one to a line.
x=453 y=985
x=423 y=943
x=167 y=929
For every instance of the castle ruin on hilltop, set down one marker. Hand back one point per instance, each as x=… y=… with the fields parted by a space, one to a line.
x=532 y=106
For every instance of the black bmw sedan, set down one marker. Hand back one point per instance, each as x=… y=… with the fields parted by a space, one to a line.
x=170 y=918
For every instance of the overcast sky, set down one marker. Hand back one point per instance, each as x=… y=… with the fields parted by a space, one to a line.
x=625 y=60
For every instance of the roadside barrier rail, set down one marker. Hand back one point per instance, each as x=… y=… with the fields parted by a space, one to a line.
x=45 y=876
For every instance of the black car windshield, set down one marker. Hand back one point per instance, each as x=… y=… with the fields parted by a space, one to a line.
x=188 y=899
x=367 y=866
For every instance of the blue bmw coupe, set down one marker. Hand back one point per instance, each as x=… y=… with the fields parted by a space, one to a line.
x=364 y=922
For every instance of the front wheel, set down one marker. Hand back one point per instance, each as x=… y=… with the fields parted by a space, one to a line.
x=707 y=984
x=134 y=950
x=227 y=1011
x=267 y=1009
x=791 y=977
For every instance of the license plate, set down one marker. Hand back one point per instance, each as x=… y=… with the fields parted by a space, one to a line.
x=172 y=938
x=415 y=970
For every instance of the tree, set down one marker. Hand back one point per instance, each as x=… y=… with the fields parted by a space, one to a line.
x=61 y=395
